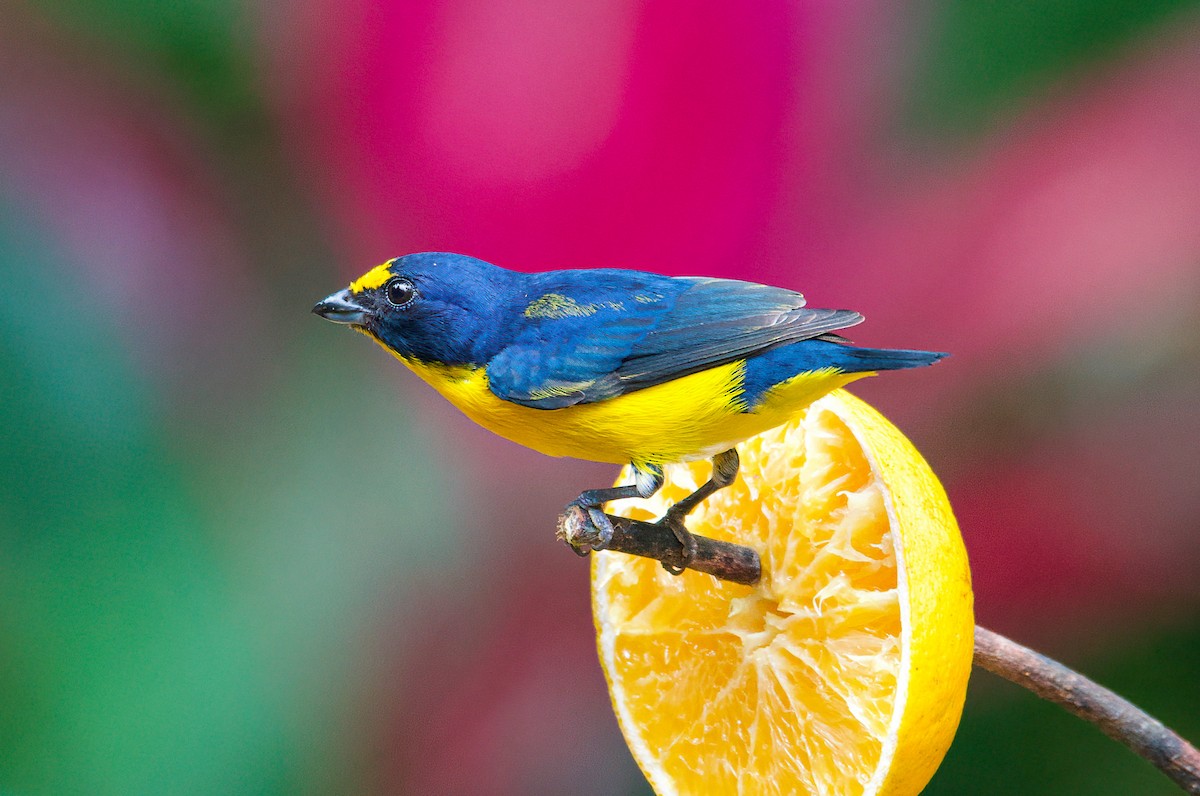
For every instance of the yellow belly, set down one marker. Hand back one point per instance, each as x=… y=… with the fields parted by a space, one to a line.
x=693 y=417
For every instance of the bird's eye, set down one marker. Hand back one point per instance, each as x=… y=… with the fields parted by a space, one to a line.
x=399 y=292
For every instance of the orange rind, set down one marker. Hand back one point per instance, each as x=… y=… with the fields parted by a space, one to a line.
x=844 y=670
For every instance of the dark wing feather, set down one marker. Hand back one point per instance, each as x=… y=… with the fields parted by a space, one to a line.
x=699 y=324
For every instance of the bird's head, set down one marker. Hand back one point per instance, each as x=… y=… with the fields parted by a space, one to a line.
x=433 y=307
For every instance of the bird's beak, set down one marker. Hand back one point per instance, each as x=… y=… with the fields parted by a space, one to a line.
x=341 y=307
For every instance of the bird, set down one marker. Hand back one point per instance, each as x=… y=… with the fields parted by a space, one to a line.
x=611 y=365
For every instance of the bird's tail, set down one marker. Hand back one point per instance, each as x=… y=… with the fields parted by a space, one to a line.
x=854 y=360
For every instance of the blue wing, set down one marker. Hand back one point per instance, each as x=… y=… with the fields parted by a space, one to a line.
x=588 y=336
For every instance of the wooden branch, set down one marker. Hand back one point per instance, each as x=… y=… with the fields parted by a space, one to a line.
x=723 y=560
x=1116 y=717
x=1048 y=679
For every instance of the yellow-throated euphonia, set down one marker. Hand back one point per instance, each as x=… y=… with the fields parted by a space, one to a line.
x=611 y=365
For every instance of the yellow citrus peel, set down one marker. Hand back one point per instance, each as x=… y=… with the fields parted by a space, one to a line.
x=845 y=669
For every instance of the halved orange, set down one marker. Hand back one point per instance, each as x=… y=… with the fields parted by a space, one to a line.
x=845 y=669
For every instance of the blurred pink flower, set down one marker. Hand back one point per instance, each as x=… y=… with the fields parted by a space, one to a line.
x=541 y=135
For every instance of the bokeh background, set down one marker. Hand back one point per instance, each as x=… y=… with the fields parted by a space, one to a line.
x=243 y=552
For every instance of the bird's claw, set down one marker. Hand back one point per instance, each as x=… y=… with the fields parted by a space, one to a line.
x=603 y=525
x=599 y=521
x=687 y=542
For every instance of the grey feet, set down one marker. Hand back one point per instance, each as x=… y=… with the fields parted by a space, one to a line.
x=647 y=481
x=724 y=473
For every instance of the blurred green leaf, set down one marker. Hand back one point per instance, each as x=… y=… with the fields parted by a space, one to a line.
x=122 y=671
x=981 y=58
x=176 y=600
x=175 y=615
x=201 y=45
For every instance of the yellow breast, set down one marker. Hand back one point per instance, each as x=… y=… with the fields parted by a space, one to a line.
x=693 y=417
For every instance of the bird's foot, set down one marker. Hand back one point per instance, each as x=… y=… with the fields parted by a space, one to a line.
x=598 y=520
x=603 y=525
x=687 y=541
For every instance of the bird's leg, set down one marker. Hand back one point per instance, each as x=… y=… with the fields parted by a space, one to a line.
x=724 y=473
x=647 y=479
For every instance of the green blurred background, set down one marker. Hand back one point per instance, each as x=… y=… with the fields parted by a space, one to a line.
x=241 y=552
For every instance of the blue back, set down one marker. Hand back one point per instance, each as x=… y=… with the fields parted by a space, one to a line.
x=561 y=338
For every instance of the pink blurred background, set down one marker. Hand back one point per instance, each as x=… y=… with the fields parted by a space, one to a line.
x=1020 y=188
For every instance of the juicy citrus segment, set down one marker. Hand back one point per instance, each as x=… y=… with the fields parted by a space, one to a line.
x=844 y=670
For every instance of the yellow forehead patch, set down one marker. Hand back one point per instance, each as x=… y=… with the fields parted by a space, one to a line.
x=371 y=279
